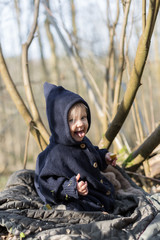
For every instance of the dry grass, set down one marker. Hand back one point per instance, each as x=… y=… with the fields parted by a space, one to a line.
x=3 y=180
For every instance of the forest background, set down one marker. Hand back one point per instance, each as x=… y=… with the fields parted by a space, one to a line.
x=105 y=51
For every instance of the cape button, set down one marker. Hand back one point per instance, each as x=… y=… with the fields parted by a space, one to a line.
x=108 y=193
x=82 y=145
x=101 y=181
x=95 y=165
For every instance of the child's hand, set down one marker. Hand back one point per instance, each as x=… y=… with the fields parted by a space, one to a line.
x=111 y=159
x=82 y=187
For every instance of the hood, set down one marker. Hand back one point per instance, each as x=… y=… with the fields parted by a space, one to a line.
x=58 y=102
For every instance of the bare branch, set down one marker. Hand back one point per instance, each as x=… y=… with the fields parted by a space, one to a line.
x=11 y=88
x=157 y=4
x=135 y=78
x=151 y=103
x=26 y=78
x=75 y=64
x=138 y=156
x=140 y=129
x=142 y=176
x=54 y=58
x=121 y=59
x=143 y=14
x=110 y=66
x=26 y=147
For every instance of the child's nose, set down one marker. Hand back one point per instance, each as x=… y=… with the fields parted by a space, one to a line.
x=79 y=123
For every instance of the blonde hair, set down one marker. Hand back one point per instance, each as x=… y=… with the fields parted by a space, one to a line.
x=76 y=105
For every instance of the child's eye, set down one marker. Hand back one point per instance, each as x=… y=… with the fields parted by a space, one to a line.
x=84 y=117
x=70 y=120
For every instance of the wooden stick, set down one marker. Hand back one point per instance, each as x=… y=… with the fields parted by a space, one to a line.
x=140 y=175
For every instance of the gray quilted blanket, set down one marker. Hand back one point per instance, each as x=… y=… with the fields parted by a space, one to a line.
x=136 y=216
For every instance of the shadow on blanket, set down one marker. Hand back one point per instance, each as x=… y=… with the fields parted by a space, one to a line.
x=136 y=214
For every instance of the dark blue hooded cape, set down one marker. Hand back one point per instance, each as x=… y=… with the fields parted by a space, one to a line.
x=58 y=165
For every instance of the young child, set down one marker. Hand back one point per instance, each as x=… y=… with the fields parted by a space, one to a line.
x=68 y=171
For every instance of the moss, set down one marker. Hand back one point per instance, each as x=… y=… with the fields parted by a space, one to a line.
x=22 y=235
x=128 y=161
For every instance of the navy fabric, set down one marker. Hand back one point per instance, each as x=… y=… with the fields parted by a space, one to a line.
x=58 y=165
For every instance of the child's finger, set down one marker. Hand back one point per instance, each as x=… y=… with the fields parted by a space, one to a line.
x=112 y=159
x=83 y=186
x=114 y=163
x=78 y=177
x=84 y=191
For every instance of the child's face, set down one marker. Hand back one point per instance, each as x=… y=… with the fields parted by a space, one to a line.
x=78 y=122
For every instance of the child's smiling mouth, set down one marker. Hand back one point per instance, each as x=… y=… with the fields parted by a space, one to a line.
x=80 y=134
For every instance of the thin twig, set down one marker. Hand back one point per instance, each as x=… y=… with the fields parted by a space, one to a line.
x=140 y=175
x=143 y=14
x=77 y=68
x=26 y=147
x=151 y=104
